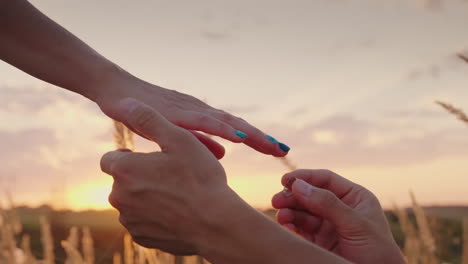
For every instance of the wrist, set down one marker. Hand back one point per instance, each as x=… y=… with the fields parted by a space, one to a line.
x=113 y=83
x=224 y=238
x=108 y=83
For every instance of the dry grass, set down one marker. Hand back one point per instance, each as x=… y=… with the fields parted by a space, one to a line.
x=428 y=247
x=123 y=137
x=457 y=112
x=463 y=57
x=47 y=241
x=465 y=241
x=88 y=246
x=288 y=163
x=420 y=247
x=117 y=258
x=412 y=249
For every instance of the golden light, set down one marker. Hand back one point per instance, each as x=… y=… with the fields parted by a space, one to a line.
x=92 y=195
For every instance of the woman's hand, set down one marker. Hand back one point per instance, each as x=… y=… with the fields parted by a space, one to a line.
x=60 y=58
x=188 y=112
x=164 y=197
x=338 y=215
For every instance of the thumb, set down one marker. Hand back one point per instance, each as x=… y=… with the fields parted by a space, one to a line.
x=322 y=203
x=146 y=121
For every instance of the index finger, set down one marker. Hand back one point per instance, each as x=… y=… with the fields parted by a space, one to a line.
x=324 y=179
x=110 y=159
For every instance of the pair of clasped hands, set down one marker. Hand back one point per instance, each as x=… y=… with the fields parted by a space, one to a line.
x=178 y=200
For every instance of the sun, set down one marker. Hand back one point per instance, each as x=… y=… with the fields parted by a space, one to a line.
x=93 y=195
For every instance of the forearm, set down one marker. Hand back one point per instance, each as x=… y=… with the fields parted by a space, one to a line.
x=246 y=236
x=40 y=47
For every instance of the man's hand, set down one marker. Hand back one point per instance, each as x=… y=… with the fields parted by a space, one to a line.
x=338 y=215
x=164 y=198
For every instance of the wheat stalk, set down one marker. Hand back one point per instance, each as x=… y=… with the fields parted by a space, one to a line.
x=8 y=243
x=123 y=137
x=179 y=260
x=73 y=240
x=15 y=219
x=117 y=258
x=88 y=246
x=288 y=163
x=454 y=110
x=463 y=57
x=151 y=256
x=412 y=243
x=465 y=241
x=425 y=234
x=47 y=241
x=140 y=254
x=129 y=254
x=72 y=253
x=26 y=247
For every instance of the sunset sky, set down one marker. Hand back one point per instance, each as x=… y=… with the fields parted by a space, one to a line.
x=349 y=85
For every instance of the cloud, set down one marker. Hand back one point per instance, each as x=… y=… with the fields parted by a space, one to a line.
x=299 y=111
x=451 y=63
x=20 y=148
x=344 y=141
x=213 y=35
x=30 y=99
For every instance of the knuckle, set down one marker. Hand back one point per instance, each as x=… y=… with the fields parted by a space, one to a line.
x=226 y=117
x=326 y=172
x=122 y=167
x=204 y=119
x=127 y=221
x=103 y=162
x=123 y=221
x=142 y=117
x=115 y=200
x=327 y=199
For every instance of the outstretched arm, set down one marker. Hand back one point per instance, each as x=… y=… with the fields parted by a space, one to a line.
x=40 y=47
x=32 y=42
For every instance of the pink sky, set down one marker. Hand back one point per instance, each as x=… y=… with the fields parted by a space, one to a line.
x=349 y=85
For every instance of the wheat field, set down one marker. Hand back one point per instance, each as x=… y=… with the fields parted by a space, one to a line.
x=419 y=245
x=420 y=238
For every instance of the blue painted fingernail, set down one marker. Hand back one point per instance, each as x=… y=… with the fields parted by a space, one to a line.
x=272 y=139
x=284 y=147
x=240 y=134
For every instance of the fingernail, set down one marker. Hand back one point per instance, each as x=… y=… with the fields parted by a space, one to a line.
x=302 y=187
x=289 y=184
x=129 y=104
x=284 y=147
x=272 y=139
x=287 y=192
x=240 y=134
